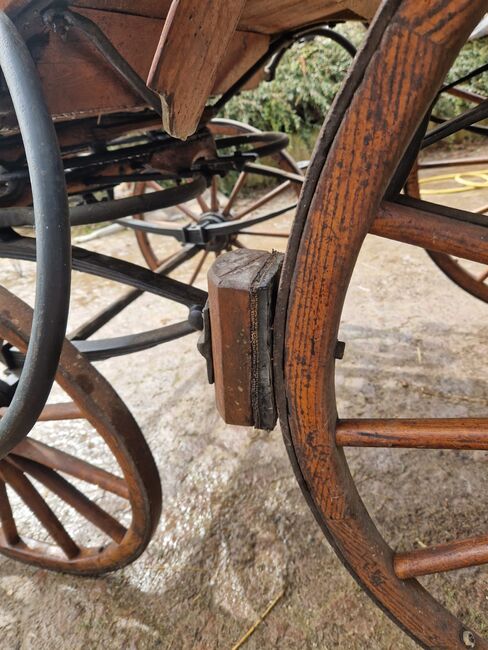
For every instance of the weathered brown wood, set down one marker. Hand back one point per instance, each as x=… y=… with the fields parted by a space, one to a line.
x=65 y=411
x=274 y=16
x=241 y=286
x=453 y=162
x=68 y=464
x=409 y=50
x=194 y=39
x=78 y=82
x=459 y=554
x=265 y=16
x=123 y=446
x=468 y=95
x=458 y=274
x=434 y=433
x=432 y=231
x=72 y=496
x=230 y=317
x=9 y=529
x=33 y=500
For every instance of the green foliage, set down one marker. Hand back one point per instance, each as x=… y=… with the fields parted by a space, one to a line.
x=307 y=80
x=311 y=73
x=473 y=55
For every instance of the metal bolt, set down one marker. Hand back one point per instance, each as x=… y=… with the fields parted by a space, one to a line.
x=195 y=317
x=340 y=348
x=468 y=639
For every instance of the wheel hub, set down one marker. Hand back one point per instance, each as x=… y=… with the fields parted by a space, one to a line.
x=215 y=243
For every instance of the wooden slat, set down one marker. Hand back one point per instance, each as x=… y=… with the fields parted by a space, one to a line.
x=266 y=16
x=453 y=162
x=436 y=433
x=460 y=554
x=269 y=196
x=78 y=81
x=274 y=16
x=193 y=42
x=51 y=412
x=433 y=231
x=9 y=528
x=68 y=464
x=33 y=500
x=72 y=496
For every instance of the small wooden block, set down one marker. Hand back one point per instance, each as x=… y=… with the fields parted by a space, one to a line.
x=242 y=289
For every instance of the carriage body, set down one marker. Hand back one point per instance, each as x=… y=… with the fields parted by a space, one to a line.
x=129 y=95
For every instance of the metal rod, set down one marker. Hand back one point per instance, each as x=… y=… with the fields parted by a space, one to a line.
x=476 y=114
x=121 y=345
x=106 y=315
x=111 y=54
x=114 y=269
x=101 y=211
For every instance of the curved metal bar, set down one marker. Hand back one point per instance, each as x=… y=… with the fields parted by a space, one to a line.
x=281 y=43
x=53 y=237
x=468 y=118
x=310 y=33
x=273 y=172
x=111 y=54
x=201 y=233
x=110 y=268
x=91 y=213
x=274 y=142
x=89 y=328
x=118 y=346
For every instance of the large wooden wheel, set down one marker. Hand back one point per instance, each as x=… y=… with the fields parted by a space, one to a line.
x=81 y=494
x=217 y=205
x=409 y=49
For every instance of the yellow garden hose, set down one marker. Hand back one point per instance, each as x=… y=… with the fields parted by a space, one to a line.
x=466 y=182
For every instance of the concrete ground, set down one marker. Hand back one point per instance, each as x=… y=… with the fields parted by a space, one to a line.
x=236 y=534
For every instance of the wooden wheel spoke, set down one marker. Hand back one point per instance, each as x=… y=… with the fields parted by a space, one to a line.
x=241 y=179
x=72 y=496
x=198 y=267
x=468 y=95
x=187 y=212
x=7 y=520
x=433 y=227
x=269 y=196
x=453 y=162
x=203 y=204
x=52 y=412
x=483 y=276
x=214 y=194
x=259 y=233
x=36 y=504
x=453 y=433
x=68 y=464
x=459 y=554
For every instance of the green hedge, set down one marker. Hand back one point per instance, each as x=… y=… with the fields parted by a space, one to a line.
x=311 y=73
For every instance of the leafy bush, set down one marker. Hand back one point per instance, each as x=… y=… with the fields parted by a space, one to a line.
x=311 y=73
x=307 y=79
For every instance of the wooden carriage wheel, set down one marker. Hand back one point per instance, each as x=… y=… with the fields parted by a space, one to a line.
x=213 y=205
x=61 y=511
x=409 y=49
x=475 y=282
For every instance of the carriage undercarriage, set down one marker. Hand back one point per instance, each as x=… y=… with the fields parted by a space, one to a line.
x=269 y=323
